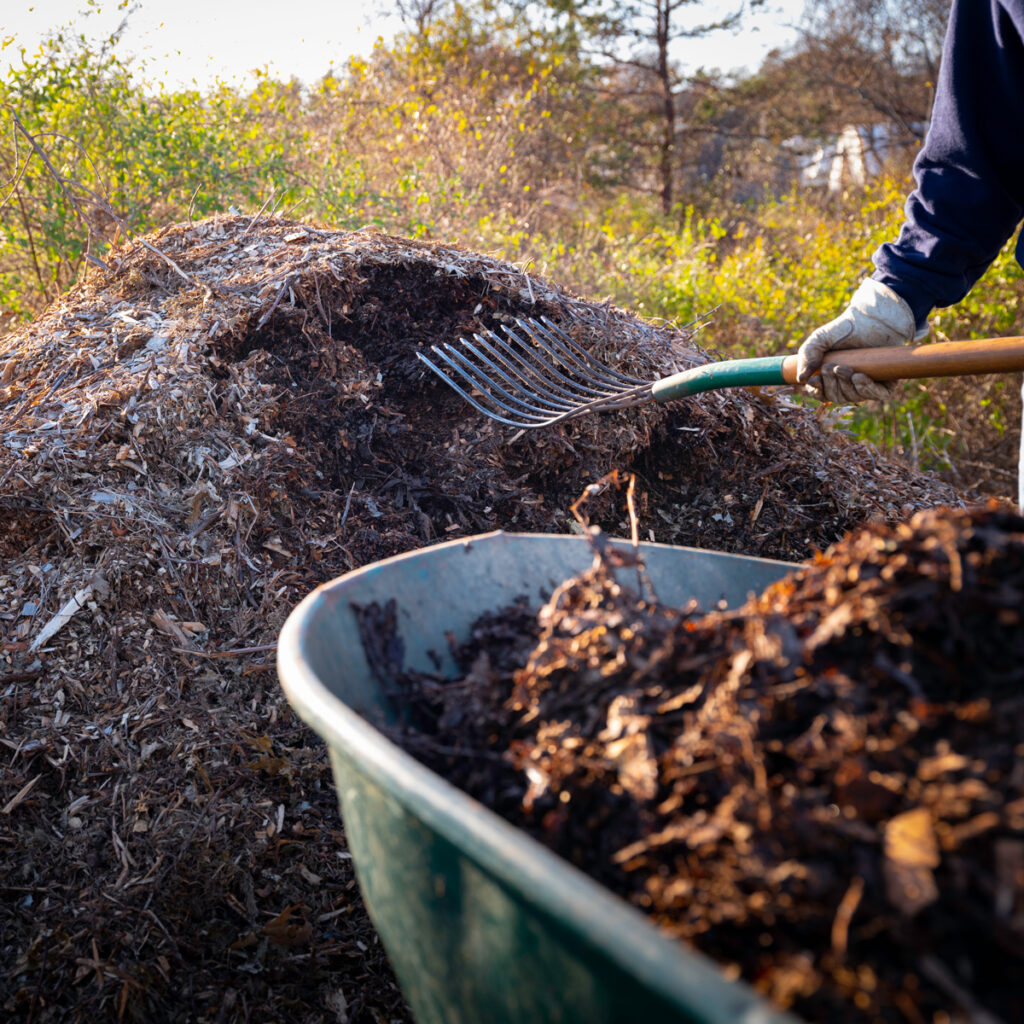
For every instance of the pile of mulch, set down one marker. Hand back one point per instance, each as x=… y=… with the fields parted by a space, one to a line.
x=822 y=790
x=226 y=414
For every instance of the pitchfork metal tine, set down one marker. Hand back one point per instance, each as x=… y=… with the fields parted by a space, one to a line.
x=526 y=419
x=578 y=355
x=582 y=387
x=542 y=381
x=526 y=369
x=487 y=386
x=517 y=378
x=539 y=372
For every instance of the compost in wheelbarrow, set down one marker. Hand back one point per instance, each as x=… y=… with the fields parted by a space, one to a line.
x=480 y=921
x=923 y=851
x=809 y=789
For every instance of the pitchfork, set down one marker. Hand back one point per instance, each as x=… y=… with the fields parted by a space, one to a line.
x=546 y=378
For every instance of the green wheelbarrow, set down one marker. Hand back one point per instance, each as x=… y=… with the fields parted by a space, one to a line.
x=482 y=924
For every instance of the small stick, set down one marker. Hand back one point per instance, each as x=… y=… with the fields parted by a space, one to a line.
x=348 y=504
x=634 y=526
x=844 y=915
x=100 y=203
x=20 y=677
x=238 y=652
x=259 y=213
x=280 y=295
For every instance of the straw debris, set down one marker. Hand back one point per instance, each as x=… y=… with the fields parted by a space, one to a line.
x=188 y=444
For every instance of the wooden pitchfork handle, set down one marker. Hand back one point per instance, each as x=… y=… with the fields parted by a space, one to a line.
x=939 y=359
x=898 y=362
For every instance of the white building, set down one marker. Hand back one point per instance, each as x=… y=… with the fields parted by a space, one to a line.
x=858 y=153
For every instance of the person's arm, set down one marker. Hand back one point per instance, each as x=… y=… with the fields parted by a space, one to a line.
x=970 y=173
x=968 y=200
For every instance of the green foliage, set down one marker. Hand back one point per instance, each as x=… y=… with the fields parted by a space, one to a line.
x=497 y=140
x=152 y=157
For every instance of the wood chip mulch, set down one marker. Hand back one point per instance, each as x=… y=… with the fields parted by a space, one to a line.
x=823 y=790
x=190 y=440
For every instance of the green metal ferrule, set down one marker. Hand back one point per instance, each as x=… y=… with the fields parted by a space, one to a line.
x=733 y=373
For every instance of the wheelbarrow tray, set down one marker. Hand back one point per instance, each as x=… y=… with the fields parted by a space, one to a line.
x=482 y=924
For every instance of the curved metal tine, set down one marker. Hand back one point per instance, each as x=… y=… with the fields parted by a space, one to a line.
x=586 y=400
x=620 y=398
x=562 y=341
x=488 y=387
x=521 y=394
x=582 y=379
x=540 y=374
x=589 y=387
x=473 y=402
x=553 y=333
x=639 y=395
x=559 y=337
x=479 y=378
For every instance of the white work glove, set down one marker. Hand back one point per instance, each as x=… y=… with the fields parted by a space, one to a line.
x=876 y=317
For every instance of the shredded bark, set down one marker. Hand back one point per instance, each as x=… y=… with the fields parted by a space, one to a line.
x=822 y=790
x=188 y=445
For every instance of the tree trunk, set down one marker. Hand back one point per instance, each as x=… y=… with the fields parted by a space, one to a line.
x=668 y=109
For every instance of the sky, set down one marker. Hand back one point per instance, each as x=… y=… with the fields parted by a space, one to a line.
x=201 y=41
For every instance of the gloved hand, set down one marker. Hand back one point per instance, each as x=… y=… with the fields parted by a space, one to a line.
x=876 y=317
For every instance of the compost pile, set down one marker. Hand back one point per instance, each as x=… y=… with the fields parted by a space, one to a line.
x=226 y=414
x=822 y=790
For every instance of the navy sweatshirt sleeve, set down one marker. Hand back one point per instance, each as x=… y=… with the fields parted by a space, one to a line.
x=970 y=172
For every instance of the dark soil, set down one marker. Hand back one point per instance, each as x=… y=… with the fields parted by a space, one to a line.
x=822 y=790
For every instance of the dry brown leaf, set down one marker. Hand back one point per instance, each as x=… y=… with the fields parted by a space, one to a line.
x=283 y=931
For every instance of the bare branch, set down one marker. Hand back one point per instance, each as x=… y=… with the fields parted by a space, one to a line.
x=68 y=187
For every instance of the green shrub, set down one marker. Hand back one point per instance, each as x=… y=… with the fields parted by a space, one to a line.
x=498 y=150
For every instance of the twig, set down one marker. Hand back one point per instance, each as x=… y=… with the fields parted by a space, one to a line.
x=67 y=611
x=99 y=202
x=20 y=677
x=156 y=252
x=280 y=295
x=348 y=505
x=20 y=796
x=192 y=202
x=57 y=177
x=844 y=915
x=259 y=213
x=238 y=652
x=634 y=531
x=988 y=468
x=18 y=176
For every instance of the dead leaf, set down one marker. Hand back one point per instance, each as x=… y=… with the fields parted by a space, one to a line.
x=272 y=766
x=911 y=851
x=261 y=743
x=285 y=932
x=910 y=839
